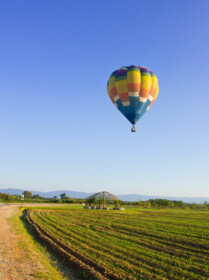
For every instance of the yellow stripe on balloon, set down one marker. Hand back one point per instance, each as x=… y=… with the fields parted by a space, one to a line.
x=108 y=89
x=134 y=77
x=112 y=91
x=154 y=87
x=121 y=86
x=156 y=95
x=112 y=82
x=146 y=82
x=133 y=82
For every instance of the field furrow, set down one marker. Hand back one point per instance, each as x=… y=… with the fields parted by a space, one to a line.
x=131 y=245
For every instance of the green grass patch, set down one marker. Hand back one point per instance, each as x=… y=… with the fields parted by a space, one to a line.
x=34 y=251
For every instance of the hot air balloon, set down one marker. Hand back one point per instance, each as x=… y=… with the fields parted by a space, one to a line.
x=133 y=90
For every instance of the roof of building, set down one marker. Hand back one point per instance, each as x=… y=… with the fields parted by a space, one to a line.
x=105 y=195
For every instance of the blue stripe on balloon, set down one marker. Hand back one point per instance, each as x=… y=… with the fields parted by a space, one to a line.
x=135 y=110
x=144 y=109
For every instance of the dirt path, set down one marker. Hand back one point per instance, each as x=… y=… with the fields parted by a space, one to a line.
x=20 y=259
x=16 y=261
x=13 y=261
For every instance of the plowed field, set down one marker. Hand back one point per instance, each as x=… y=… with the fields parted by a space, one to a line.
x=134 y=244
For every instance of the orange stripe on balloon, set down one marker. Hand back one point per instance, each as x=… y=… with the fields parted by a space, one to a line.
x=155 y=97
x=133 y=87
x=124 y=97
x=113 y=90
x=144 y=92
x=153 y=91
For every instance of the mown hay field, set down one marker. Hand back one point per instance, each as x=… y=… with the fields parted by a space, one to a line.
x=132 y=244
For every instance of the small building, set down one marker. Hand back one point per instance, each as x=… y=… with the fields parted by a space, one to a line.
x=102 y=200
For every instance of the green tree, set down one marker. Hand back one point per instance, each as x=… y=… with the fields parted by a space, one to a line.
x=36 y=196
x=91 y=200
x=27 y=194
x=206 y=205
x=117 y=203
x=149 y=205
x=63 y=195
x=193 y=206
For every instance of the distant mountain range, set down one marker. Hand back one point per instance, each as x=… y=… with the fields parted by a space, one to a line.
x=125 y=197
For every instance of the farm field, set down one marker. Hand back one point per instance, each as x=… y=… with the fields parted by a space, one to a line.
x=132 y=244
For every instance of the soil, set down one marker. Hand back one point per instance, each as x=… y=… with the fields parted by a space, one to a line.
x=16 y=263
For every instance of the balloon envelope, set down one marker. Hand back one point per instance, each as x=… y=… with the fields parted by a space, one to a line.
x=133 y=90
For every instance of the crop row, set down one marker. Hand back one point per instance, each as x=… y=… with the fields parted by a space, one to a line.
x=125 y=250
x=186 y=240
x=135 y=259
x=69 y=230
x=71 y=257
x=104 y=260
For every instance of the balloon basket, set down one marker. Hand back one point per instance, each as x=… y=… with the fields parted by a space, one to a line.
x=133 y=129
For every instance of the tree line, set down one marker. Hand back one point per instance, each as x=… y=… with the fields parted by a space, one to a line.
x=151 y=203
x=36 y=198
x=165 y=203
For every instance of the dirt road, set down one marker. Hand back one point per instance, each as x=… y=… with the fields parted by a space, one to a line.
x=18 y=261
x=13 y=261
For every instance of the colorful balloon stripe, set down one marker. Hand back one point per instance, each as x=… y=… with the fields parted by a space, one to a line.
x=133 y=90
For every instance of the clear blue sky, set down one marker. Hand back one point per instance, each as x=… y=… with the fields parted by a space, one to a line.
x=58 y=128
